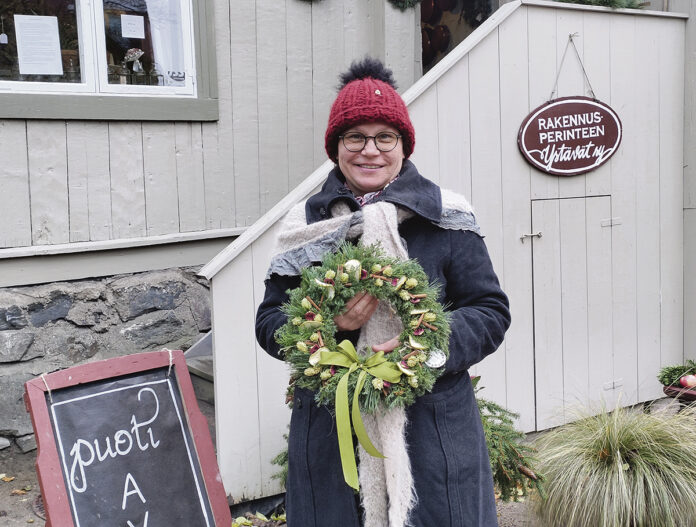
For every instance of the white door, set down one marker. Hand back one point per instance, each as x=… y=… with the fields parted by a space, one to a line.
x=572 y=307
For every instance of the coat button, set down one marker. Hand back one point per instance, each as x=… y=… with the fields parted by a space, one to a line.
x=298 y=403
x=322 y=211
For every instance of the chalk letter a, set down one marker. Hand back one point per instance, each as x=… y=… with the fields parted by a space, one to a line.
x=134 y=490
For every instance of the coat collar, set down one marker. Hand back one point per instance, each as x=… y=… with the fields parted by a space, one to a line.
x=410 y=190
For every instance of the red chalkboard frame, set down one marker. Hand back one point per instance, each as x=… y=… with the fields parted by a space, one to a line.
x=48 y=468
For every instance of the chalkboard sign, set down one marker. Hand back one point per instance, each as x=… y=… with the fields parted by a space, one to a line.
x=123 y=444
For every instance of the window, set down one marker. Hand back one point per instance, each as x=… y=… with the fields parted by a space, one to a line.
x=107 y=49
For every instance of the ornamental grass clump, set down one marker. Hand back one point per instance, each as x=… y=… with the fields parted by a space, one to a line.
x=620 y=468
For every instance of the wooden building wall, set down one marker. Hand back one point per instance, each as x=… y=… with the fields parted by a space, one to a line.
x=596 y=301
x=687 y=6
x=66 y=182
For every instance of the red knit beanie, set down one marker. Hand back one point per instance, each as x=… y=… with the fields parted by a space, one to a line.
x=367 y=95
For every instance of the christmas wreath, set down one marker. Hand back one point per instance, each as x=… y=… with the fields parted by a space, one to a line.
x=339 y=373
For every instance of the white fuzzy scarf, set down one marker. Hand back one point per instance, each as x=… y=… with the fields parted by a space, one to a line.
x=386 y=485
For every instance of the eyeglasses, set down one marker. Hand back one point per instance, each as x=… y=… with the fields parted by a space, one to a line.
x=384 y=141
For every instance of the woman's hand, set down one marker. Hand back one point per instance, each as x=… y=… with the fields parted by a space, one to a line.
x=358 y=310
x=387 y=346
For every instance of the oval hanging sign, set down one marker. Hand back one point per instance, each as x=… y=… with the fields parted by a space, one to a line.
x=570 y=136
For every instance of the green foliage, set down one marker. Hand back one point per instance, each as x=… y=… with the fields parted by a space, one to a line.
x=616 y=4
x=282 y=461
x=670 y=375
x=511 y=461
x=299 y=336
x=620 y=468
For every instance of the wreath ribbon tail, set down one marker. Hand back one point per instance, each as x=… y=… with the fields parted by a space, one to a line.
x=358 y=424
x=343 y=429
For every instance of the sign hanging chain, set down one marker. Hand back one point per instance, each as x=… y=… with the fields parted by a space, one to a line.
x=560 y=67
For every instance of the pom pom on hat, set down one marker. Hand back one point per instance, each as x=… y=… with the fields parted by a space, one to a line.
x=368 y=94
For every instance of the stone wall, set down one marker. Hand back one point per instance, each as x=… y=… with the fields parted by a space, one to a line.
x=52 y=326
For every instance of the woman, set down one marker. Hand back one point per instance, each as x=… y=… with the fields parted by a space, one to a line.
x=437 y=471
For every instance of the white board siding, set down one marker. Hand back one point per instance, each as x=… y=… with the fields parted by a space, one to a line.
x=299 y=97
x=245 y=115
x=453 y=119
x=689 y=284
x=623 y=190
x=671 y=198
x=648 y=203
x=89 y=181
x=48 y=182
x=236 y=382
x=190 y=181
x=517 y=266
x=128 y=218
x=486 y=183
x=15 y=211
x=160 y=175
x=597 y=62
x=272 y=106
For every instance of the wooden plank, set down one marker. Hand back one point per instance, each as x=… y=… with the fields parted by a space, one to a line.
x=543 y=45
x=571 y=80
x=548 y=321
x=599 y=302
x=48 y=182
x=596 y=29
x=486 y=184
x=88 y=163
x=328 y=60
x=272 y=374
x=15 y=206
x=299 y=92
x=190 y=180
x=646 y=172
x=671 y=64
x=218 y=138
x=687 y=6
x=272 y=109
x=517 y=254
x=127 y=180
x=234 y=355
x=245 y=115
x=623 y=191
x=362 y=29
x=159 y=166
x=400 y=43
x=78 y=185
x=426 y=155
x=574 y=278
x=690 y=284
x=454 y=133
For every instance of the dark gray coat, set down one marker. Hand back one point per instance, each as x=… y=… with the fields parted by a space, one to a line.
x=445 y=439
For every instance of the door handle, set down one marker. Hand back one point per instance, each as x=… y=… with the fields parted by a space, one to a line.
x=530 y=235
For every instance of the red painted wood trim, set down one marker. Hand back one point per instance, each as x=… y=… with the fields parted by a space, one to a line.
x=48 y=466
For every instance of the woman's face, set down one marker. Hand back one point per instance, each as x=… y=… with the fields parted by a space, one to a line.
x=370 y=169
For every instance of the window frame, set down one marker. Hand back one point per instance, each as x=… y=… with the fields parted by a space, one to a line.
x=81 y=101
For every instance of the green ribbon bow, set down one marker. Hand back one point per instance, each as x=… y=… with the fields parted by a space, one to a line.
x=377 y=366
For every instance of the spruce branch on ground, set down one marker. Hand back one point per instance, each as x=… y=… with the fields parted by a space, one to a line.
x=511 y=461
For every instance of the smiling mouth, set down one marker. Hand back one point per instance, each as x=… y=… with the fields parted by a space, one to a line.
x=370 y=166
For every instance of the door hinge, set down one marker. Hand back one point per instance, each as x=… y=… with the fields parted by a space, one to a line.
x=613 y=385
x=530 y=235
x=610 y=222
